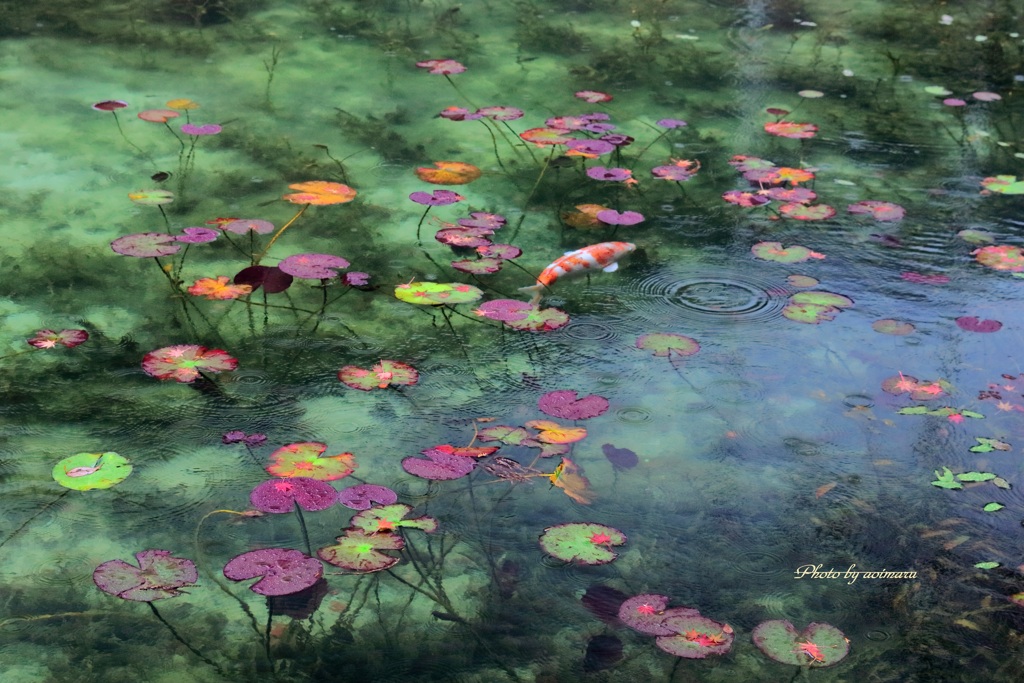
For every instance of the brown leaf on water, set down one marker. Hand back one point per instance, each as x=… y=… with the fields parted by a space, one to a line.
x=568 y=476
x=949 y=545
x=823 y=489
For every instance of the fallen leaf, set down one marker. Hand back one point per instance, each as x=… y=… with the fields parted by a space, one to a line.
x=823 y=489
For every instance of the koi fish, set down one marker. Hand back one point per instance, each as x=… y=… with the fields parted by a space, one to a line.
x=603 y=256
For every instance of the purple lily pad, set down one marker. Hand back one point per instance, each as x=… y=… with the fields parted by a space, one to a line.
x=278 y=496
x=241 y=226
x=313 y=266
x=612 y=174
x=197 y=235
x=613 y=217
x=671 y=123
x=201 y=129
x=499 y=113
x=590 y=147
x=283 y=571
x=158 y=576
x=146 y=245
x=464 y=237
x=564 y=405
x=481 y=266
x=355 y=279
x=504 y=252
x=644 y=613
x=439 y=466
x=363 y=496
x=272 y=278
x=521 y=315
x=694 y=636
x=973 y=324
x=436 y=198
x=620 y=458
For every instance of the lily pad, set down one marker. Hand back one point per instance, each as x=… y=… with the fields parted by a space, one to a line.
x=48 y=339
x=282 y=571
x=439 y=465
x=449 y=173
x=993 y=507
x=1003 y=184
x=880 y=211
x=359 y=551
x=271 y=278
x=89 y=471
x=773 y=251
x=790 y=129
x=460 y=236
x=523 y=316
x=582 y=542
x=380 y=376
x=480 y=266
x=552 y=432
x=320 y=193
x=894 y=327
x=151 y=197
x=694 y=636
x=183 y=363
x=973 y=324
x=146 y=245
x=666 y=344
x=437 y=293
x=390 y=518
x=305 y=459
x=815 y=306
x=818 y=645
x=564 y=405
x=313 y=266
x=807 y=212
x=278 y=496
x=158 y=576
x=513 y=436
x=644 y=613
x=241 y=226
x=1000 y=257
x=503 y=252
x=363 y=496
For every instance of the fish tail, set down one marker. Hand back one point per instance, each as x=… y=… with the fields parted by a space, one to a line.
x=536 y=289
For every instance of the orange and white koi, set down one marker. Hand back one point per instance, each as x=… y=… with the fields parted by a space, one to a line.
x=604 y=256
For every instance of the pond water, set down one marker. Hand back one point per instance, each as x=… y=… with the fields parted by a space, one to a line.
x=797 y=400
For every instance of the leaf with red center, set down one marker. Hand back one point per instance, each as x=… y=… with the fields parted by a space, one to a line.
x=1000 y=257
x=281 y=571
x=449 y=173
x=880 y=211
x=464 y=237
x=790 y=129
x=442 y=66
x=320 y=193
x=218 y=289
x=313 y=266
x=552 y=432
x=807 y=212
x=271 y=278
x=380 y=376
x=48 y=339
x=973 y=324
x=439 y=465
x=513 y=436
x=435 y=293
x=564 y=405
x=359 y=551
x=480 y=266
x=817 y=646
x=278 y=496
x=183 y=363
x=773 y=251
x=504 y=252
x=694 y=637
x=643 y=613
x=305 y=459
x=574 y=542
x=666 y=344
x=568 y=476
x=390 y=517
x=1003 y=184
x=159 y=575
x=745 y=199
x=546 y=136
x=146 y=245
x=467 y=451
x=899 y=384
x=363 y=496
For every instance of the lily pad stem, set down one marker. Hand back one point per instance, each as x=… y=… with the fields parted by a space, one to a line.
x=280 y=231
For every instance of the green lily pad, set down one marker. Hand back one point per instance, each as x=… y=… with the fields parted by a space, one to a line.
x=87 y=471
x=582 y=542
x=820 y=298
x=974 y=236
x=773 y=251
x=993 y=507
x=380 y=376
x=667 y=343
x=437 y=293
x=1003 y=184
x=389 y=518
x=513 y=436
x=986 y=445
x=819 y=645
x=987 y=565
x=946 y=480
x=359 y=551
x=695 y=637
x=976 y=476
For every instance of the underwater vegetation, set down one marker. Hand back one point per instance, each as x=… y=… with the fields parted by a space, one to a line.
x=518 y=341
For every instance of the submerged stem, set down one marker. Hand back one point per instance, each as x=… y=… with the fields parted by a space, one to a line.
x=181 y=640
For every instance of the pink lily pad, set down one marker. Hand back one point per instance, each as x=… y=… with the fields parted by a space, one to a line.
x=146 y=245
x=382 y=375
x=197 y=235
x=201 y=129
x=504 y=252
x=644 y=613
x=880 y=211
x=563 y=404
x=48 y=339
x=282 y=571
x=613 y=217
x=278 y=496
x=974 y=324
x=894 y=327
x=363 y=496
x=666 y=344
x=439 y=465
x=807 y=212
x=184 y=363
x=481 y=266
x=464 y=237
x=241 y=226
x=521 y=315
x=158 y=576
x=313 y=266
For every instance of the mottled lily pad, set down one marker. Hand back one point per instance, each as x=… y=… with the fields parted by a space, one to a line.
x=48 y=339
x=88 y=471
x=436 y=293
x=382 y=375
x=773 y=251
x=564 y=405
x=320 y=193
x=880 y=211
x=359 y=551
x=694 y=636
x=390 y=518
x=817 y=646
x=523 y=316
x=278 y=496
x=158 y=576
x=582 y=542
x=313 y=266
x=1003 y=184
x=814 y=307
x=306 y=459
x=146 y=245
x=644 y=613
x=480 y=266
x=282 y=571
x=667 y=343
x=1001 y=257
x=185 y=362
x=439 y=465
x=363 y=496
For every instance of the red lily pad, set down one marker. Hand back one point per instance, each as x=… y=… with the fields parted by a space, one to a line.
x=278 y=496
x=282 y=571
x=694 y=637
x=480 y=266
x=391 y=518
x=464 y=237
x=667 y=343
x=382 y=375
x=183 y=363
x=790 y=129
x=271 y=278
x=146 y=245
x=359 y=551
x=644 y=613
x=817 y=646
x=523 y=316
x=1000 y=257
x=158 y=576
x=89 y=471
x=363 y=496
x=582 y=542
x=807 y=212
x=974 y=324
x=48 y=339
x=305 y=459
x=773 y=251
x=564 y=405
x=439 y=465
x=436 y=293
x=880 y=211
x=313 y=266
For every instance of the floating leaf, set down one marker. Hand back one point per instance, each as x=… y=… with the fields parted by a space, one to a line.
x=564 y=405
x=271 y=278
x=521 y=315
x=993 y=507
x=790 y=129
x=974 y=236
x=201 y=129
x=694 y=637
x=382 y=375
x=667 y=343
x=513 y=436
x=48 y=339
x=436 y=198
x=880 y=211
x=807 y=212
x=320 y=193
x=973 y=324
x=313 y=266
x=363 y=496
x=197 y=235
x=218 y=289
x=894 y=327
x=552 y=432
x=568 y=476
x=89 y=471
x=801 y=281
x=745 y=199
x=1003 y=184
x=449 y=173
x=818 y=645
x=151 y=197
x=481 y=266
x=815 y=306
x=976 y=476
x=644 y=613
x=435 y=293
x=442 y=66
x=946 y=480
x=158 y=576
x=464 y=237
x=987 y=565
x=305 y=459
x=243 y=226
x=146 y=245
x=582 y=542
x=278 y=496
x=503 y=252
x=359 y=551
x=281 y=571
x=391 y=517
x=988 y=445
x=439 y=465
x=1001 y=257
x=773 y=251
x=1002 y=483
x=613 y=217
x=185 y=362
x=546 y=136
x=679 y=171
x=110 y=105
